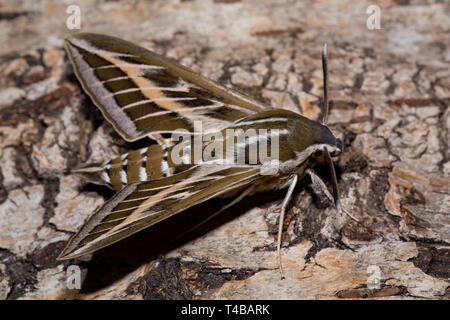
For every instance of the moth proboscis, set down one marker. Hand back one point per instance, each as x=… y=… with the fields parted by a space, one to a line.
x=143 y=94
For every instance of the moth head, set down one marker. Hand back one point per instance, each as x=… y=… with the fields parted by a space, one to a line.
x=326 y=140
x=339 y=145
x=338 y=148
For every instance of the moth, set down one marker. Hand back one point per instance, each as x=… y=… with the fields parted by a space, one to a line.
x=143 y=94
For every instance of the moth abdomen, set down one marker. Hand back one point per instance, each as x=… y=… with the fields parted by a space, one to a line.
x=146 y=164
x=91 y=172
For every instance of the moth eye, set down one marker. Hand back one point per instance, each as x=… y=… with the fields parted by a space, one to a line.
x=317 y=153
x=339 y=145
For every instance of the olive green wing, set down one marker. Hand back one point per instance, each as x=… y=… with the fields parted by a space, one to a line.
x=140 y=205
x=142 y=93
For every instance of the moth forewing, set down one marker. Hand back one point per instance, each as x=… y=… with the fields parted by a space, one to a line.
x=144 y=94
x=141 y=205
x=140 y=92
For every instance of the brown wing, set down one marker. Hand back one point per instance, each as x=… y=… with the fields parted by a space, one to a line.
x=142 y=93
x=141 y=205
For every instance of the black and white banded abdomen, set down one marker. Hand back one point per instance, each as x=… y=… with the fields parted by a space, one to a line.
x=149 y=163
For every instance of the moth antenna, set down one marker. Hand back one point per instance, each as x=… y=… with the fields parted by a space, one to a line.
x=325 y=84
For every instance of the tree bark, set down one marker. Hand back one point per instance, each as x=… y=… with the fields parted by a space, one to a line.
x=389 y=94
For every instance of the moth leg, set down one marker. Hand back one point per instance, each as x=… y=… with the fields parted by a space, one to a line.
x=318 y=182
x=292 y=182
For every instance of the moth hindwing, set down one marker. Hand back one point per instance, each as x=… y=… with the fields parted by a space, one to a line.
x=143 y=94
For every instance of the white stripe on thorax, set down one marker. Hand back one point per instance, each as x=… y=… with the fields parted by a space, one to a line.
x=250 y=122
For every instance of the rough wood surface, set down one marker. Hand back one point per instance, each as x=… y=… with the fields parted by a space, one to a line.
x=389 y=89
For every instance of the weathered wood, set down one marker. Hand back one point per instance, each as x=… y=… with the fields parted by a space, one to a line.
x=389 y=92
